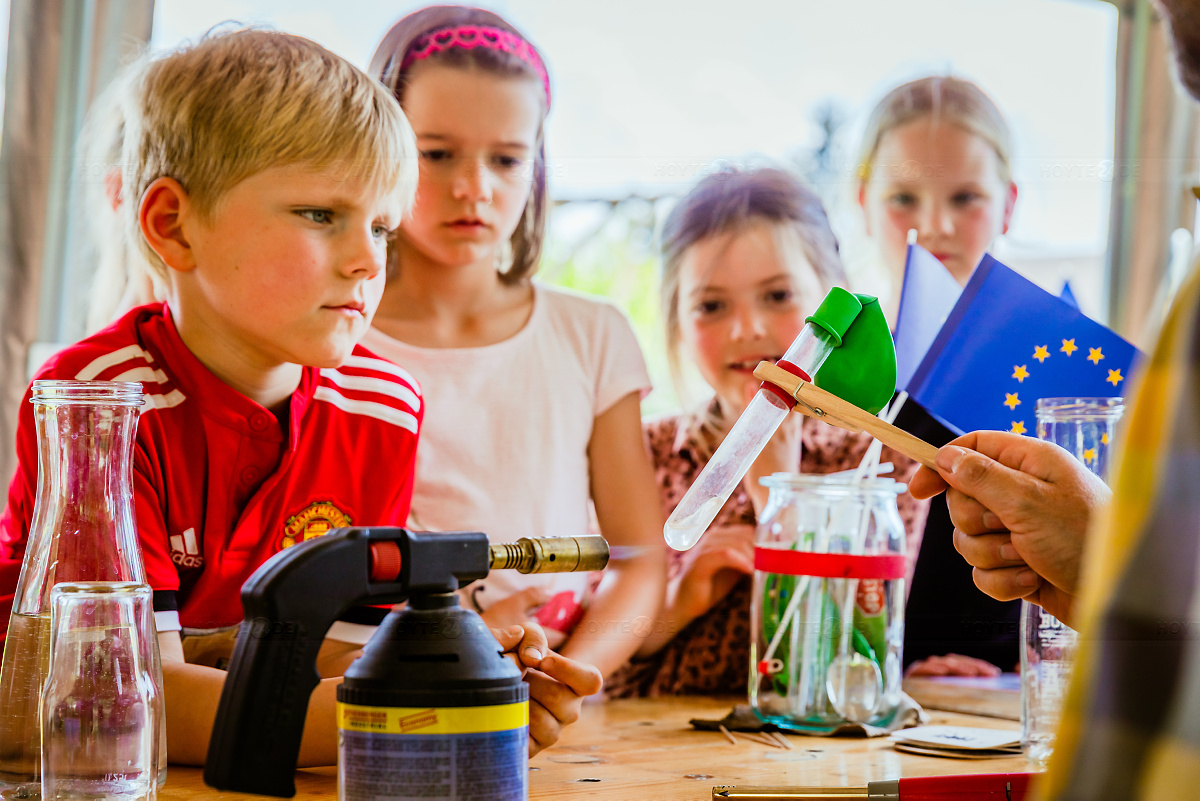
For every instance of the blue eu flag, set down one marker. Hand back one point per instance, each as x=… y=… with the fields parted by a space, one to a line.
x=1008 y=342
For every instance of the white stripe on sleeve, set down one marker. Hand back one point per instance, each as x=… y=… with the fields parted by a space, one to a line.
x=381 y=385
x=379 y=365
x=379 y=411
x=108 y=360
x=147 y=374
x=172 y=398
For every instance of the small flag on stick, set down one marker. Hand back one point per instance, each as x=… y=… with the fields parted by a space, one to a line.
x=1007 y=343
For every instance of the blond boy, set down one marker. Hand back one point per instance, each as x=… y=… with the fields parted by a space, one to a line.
x=263 y=176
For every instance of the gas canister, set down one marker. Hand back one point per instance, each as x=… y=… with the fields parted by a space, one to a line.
x=431 y=710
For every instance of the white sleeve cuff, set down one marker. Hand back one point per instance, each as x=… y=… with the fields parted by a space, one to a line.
x=355 y=633
x=167 y=621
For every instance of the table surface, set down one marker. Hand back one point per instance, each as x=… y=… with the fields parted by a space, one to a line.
x=993 y=698
x=646 y=749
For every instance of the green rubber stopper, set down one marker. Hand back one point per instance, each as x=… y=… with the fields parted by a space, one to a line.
x=863 y=369
x=836 y=313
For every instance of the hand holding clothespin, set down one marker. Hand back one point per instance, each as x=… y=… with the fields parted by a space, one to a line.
x=829 y=408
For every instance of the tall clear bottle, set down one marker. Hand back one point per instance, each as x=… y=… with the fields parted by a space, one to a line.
x=1086 y=428
x=82 y=530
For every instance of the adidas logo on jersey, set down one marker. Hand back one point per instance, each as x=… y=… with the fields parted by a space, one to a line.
x=184 y=551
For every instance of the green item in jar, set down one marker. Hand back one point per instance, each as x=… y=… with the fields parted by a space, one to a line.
x=777 y=594
x=862 y=646
x=871 y=616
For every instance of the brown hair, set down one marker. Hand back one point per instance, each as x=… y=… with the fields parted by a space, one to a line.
x=236 y=103
x=732 y=199
x=941 y=98
x=526 y=241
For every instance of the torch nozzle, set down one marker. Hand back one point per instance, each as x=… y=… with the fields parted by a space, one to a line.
x=551 y=554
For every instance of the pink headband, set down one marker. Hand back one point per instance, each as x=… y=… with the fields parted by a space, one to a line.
x=472 y=36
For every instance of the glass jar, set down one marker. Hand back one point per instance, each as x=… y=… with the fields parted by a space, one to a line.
x=827 y=613
x=82 y=529
x=101 y=702
x=1086 y=428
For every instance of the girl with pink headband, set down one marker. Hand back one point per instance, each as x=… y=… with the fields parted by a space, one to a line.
x=533 y=393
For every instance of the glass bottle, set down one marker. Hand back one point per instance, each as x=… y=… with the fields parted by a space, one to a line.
x=804 y=674
x=102 y=698
x=82 y=529
x=1085 y=427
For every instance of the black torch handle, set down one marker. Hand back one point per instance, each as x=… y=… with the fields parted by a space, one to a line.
x=289 y=603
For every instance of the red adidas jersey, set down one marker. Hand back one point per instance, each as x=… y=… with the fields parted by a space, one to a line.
x=219 y=484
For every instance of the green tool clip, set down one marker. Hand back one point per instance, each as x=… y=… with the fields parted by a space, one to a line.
x=862 y=368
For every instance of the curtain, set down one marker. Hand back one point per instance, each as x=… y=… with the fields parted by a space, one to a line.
x=61 y=54
x=1154 y=166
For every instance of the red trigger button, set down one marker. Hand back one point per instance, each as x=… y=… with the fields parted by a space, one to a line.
x=385 y=561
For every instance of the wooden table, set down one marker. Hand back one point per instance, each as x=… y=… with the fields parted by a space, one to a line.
x=992 y=698
x=646 y=749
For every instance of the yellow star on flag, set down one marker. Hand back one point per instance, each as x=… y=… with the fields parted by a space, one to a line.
x=1069 y=346
x=1094 y=355
x=1018 y=427
x=1115 y=377
x=1104 y=439
x=1041 y=353
x=1011 y=400
x=1020 y=373
x=1089 y=455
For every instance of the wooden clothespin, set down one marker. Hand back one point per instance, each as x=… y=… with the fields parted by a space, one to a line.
x=829 y=408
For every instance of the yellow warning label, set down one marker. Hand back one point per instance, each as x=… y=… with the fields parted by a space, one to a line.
x=440 y=720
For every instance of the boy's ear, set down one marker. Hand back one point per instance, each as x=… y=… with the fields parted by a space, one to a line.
x=1010 y=203
x=163 y=209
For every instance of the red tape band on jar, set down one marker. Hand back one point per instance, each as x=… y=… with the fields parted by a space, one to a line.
x=830 y=565
x=784 y=364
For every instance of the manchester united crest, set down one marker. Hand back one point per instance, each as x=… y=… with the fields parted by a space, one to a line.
x=312 y=521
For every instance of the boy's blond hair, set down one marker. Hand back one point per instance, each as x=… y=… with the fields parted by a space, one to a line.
x=236 y=103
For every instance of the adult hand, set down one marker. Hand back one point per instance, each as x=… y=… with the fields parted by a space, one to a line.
x=712 y=569
x=1021 y=509
x=952 y=665
x=557 y=685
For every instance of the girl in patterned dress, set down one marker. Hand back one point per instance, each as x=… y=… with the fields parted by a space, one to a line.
x=747 y=255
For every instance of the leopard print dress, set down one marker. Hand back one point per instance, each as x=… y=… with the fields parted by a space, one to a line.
x=712 y=654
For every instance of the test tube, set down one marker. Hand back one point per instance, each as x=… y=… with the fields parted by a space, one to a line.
x=742 y=446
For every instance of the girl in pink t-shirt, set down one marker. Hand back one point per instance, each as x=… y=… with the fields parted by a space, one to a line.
x=533 y=394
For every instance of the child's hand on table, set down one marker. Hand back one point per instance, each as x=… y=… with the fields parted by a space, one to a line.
x=557 y=685
x=952 y=665
x=712 y=569
x=518 y=610
x=515 y=610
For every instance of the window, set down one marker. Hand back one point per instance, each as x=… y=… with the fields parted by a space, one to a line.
x=649 y=93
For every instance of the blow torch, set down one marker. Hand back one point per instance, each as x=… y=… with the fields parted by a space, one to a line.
x=432 y=703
